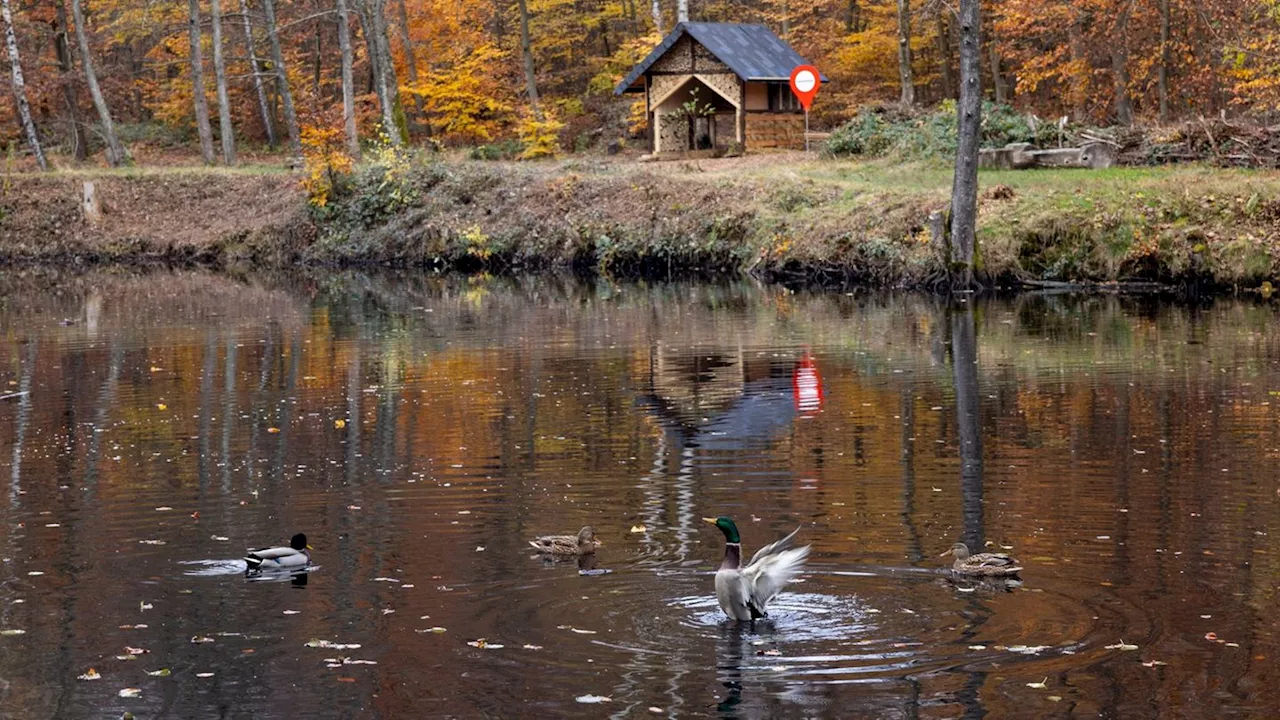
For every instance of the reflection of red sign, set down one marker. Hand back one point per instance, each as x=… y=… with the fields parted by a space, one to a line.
x=806 y=384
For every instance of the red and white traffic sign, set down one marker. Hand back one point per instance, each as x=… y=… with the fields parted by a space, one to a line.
x=805 y=81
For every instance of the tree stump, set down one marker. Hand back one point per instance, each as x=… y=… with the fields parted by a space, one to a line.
x=90 y=205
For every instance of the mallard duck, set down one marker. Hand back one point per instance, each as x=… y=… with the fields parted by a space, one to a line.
x=983 y=564
x=584 y=543
x=279 y=558
x=744 y=592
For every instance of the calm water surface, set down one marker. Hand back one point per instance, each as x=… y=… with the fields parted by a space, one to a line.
x=421 y=430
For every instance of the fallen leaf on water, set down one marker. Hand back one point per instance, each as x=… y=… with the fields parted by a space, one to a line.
x=385 y=579
x=1211 y=636
x=1154 y=663
x=291 y=612
x=151 y=542
x=35 y=573
x=219 y=538
x=1054 y=698
x=135 y=651
x=144 y=605
x=639 y=528
x=204 y=675
x=12 y=631
x=201 y=639
x=387 y=611
x=436 y=630
x=1027 y=649
x=163 y=508
x=977 y=647
x=126 y=657
x=162 y=672
x=339 y=423
x=772 y=652
x=1039 y=685
x=331 y=645
x=90 y=674
x=129 y=693
x=479 y=548
x=155 y=368
x=273 y=430
x=655 y=710
x=583 y=632
x=592 y=699
x=346 y=679
x=161 y=406
x=484 y=644
x=1122 y=645
x=532 y=647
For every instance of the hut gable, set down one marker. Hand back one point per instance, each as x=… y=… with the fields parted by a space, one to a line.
x=688 y=56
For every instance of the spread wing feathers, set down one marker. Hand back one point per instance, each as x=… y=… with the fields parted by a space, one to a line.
x=774 y=547
x=769 y=572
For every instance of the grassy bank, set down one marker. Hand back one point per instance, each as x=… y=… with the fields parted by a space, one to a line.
x=776 y=216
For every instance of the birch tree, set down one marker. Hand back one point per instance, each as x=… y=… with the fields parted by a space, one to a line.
x=657 y=16
x=197 y=83
x=682 y=11
x=116 y=154
x=282 y=78
x=373 y=18
x=264 y=109
x=908 y=95
x=348 y=81
x=964 y=188
x=66 y=68
x=20 y=87
x=225 y=131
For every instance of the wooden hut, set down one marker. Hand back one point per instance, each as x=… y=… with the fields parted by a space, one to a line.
x=711 y=84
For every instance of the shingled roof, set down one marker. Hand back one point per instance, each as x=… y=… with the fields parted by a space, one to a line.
x=753 y=52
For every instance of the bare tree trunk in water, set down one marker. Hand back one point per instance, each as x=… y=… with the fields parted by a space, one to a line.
x=1120 y=64
x=225 y=130
x=1164 y=61
x=116 y=154
x=264 y=108
x=964 y=189
x=964 y=366
x=526 y=48
x=197 y=83
x=657 y=16
x=682 y=11
x=67 y=66
x=908 y=95
x=282 y=79
x=348 y=81
x=944 y=51
x=20 y=87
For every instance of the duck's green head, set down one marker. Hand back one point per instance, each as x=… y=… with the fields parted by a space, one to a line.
x=726 y=526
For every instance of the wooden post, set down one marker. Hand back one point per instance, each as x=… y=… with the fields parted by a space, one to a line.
x=741 y=117
x=89 y=203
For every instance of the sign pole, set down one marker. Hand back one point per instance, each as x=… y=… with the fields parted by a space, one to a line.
x=806 y=129
x=805 y=80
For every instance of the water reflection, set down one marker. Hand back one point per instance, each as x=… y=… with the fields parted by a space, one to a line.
x=421 y=430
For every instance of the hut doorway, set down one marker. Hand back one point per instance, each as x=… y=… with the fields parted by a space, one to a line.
x=690 y=119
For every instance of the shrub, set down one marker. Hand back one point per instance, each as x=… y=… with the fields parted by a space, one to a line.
x=888 y=130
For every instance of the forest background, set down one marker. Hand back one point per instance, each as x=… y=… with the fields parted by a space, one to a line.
x=535 y=77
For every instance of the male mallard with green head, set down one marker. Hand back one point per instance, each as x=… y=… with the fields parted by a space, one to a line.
x=584 y=543
x=982 y=564
x=744 y=592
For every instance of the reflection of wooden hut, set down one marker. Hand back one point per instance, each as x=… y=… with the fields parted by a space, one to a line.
x=709 y=84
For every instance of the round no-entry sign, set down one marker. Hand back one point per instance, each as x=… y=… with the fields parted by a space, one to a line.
x=804 y=83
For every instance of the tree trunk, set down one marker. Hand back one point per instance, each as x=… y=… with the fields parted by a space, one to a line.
x=964 y=189
x=20 y=87
x=264 y=108
x=1163 y=80
x=526 y=48
x=997 y=78
x=852 y=17
x=908 y=96
x=67 y=66
x=682 y=11
x=1120 y=64
x=348 y=81
x=282 y=79
x=197 y=83
x=657 y=17
x=225 y=130
x=373 y=17
x=410 y=58
x=1079 y=82
x=944 y=52
x=116 y=154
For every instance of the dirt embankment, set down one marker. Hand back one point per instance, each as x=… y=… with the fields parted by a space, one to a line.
x=778 y=217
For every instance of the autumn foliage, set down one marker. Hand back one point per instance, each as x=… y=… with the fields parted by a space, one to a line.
x=459 y=65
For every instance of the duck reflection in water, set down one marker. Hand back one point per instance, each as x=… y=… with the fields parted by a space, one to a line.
x=737 y=648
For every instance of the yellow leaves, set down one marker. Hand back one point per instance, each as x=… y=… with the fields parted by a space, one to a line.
x=327 y=161
x=541 y=138
x=464 y=98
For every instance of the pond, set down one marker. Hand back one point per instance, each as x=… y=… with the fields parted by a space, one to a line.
x=421 y=430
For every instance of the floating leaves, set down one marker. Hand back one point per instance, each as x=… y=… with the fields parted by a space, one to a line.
x=339 y=424
x=290 y=612
x=331 y=645
x=129 y=692
x=485 y=644
x=10 y=632
x=151 y=542
x=527 y=646
x=162 y=672
x=136 y=651
x=204 y=674
x=434 y=630
x=198 y=639
x=90 y=674
x=639 y=528
x=144 y=605
x=1123 y=646
x=1154 y=663
x=593 y=699
x=1027 y=649
x=1039 y=685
